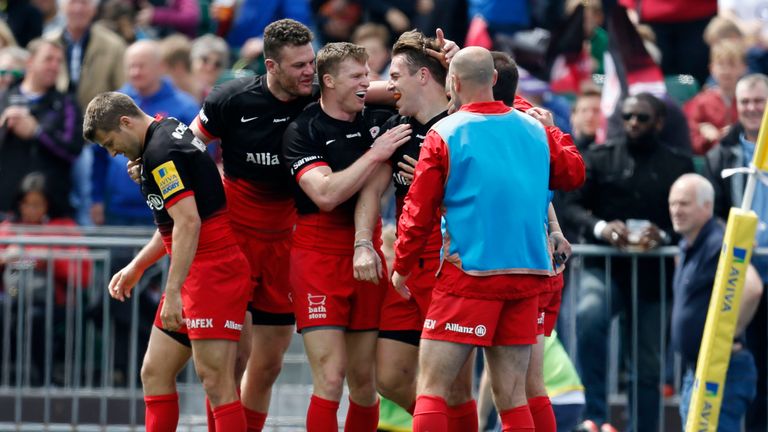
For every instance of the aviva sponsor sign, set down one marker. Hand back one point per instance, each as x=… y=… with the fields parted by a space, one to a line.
x=715 y=351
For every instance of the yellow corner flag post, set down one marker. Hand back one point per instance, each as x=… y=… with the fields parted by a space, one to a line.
x=723 y=312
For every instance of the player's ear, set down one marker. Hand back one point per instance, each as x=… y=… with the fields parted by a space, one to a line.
x=125 y=121
x=271 y=65
x=328 y=81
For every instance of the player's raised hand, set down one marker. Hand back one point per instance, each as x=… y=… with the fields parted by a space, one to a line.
x=448 y=49
x=389 y=141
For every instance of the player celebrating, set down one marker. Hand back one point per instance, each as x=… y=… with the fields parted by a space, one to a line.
x=486 y=293
x=328 y=149
x=204 y=302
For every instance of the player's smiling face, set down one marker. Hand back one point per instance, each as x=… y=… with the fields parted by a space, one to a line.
x=404 y=86
x=351 y=84
x=295 y=69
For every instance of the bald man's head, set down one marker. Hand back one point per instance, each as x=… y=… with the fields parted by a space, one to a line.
x=143 y=64
x=473 y=65
x=471 y=72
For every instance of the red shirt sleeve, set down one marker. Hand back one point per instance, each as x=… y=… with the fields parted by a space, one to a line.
x=566 y=170
x=421 y=203
x=566 y=167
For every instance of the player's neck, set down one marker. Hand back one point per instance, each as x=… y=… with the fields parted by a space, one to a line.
x=277 y=90
x=334 y=110
x=431 y=106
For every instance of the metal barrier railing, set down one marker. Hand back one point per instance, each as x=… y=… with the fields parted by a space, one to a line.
x=76 y=362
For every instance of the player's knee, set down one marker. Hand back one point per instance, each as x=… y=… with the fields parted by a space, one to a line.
x=216 y=383
x=461 y=391
x=332 y=380
x=152 y=374
x=265 y=372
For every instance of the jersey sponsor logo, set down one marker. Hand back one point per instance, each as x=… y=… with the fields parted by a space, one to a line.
x=233 y=325
x=316 y=308
x=329 y=141
x=429 y=324
x=295 y=166
x=198 y=144
x=354 y=135
x=268 y=159
x=155 y=202
x=458 y=328
x=246 y=120
x=198 y=323
x=168 y=179
x=281 y=120
x=375 y=131
x=480 y=330
x=202 y=116
x=180 y=129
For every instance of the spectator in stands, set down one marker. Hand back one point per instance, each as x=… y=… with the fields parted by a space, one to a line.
x=53 y=19
x=736 y=150
x=181 y=16
x=502 y=16
x=748 y=15
x=679 y=26
x=721 y=28
x=396 y=15
x=6 y=35
x=175 y=52
x=41 y=127
x=627 y=178
x=116 y=199
x=94 y=53
x=25 y=21
x=13 y=60
x=691 y=204
x=34 y=205
x=210 y=57
x=711 y=112
x=120 y=17
x=539 y=93
x=336 y=19
x=254 y=15
x=375 y=39
x=585 y=118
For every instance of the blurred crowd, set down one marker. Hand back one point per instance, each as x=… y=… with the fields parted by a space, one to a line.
x=697 y=67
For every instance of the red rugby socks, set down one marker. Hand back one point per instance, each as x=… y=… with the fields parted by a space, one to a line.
x=542 y=413
x=517 y=419
x=162 y=412
x=430 y=414
x=362 y=418
x=463 y=417
x=321 y=415
x=209 y=415
x=254 y=419
x=230 y=417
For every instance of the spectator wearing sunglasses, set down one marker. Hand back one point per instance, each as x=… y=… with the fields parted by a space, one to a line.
x=628 y=177
x=210 y=56
x=12 y=61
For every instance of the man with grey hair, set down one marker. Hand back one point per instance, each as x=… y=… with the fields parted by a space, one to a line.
x=691 y=203
x=736 y=150
x=485 y=294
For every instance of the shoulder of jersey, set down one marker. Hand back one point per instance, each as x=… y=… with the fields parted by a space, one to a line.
x=178 y=131
x=237 y=86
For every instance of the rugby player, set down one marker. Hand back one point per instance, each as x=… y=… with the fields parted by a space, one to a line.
x=486 y=292
x=332 y=148
x=417 y=80
x=202 y=311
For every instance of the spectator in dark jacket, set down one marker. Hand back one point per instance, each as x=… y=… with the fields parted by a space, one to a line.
x=41 y=128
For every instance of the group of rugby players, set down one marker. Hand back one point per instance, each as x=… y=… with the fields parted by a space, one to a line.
x=305 y=166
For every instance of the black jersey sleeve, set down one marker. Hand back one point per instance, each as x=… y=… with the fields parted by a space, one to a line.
x=213 y=115
x=302 y=150
x=173 y=176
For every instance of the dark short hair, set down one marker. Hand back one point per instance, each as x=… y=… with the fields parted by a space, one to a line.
x=104 y=111
x=333 y=54
x=413 y=45
x=657 y=105
x=507 y=77
x=284 y=32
